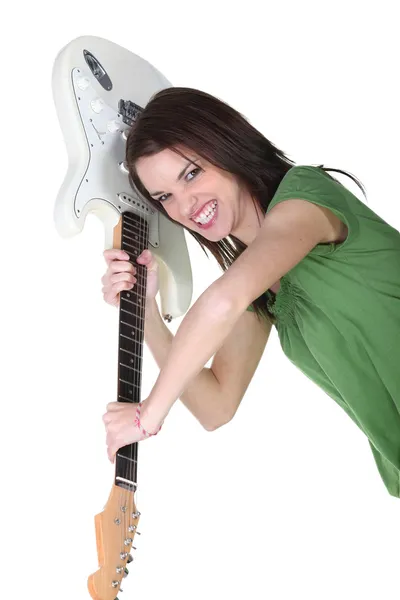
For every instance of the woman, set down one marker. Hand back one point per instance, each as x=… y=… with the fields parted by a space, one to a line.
x=298 y=251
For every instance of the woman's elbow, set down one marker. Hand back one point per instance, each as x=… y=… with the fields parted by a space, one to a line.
x=214 y=426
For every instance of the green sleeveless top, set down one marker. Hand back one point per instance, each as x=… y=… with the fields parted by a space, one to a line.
x=338 y=315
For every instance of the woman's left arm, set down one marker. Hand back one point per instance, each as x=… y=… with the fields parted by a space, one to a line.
x=289 y=232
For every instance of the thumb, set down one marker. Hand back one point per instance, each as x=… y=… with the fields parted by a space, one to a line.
x=145 y=256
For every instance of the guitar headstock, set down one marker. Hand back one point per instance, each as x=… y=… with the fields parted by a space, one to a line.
x=116 y=528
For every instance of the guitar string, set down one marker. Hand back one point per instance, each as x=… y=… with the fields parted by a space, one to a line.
x=139 y=313
x=126 y=471
x=139 y=282
x=122 y=493
x=135 y=375
x=144 y=274
x=141 y=292
x=141 y=277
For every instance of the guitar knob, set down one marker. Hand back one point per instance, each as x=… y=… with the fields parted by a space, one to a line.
x=113 y=126
x=97 y=105
x=123 y=167
x=83 y=83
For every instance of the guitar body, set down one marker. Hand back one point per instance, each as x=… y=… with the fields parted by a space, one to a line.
x=98 y=89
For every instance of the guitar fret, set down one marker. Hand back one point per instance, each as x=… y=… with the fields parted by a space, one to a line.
x=133 y=223
x=126 y=228
x=128 y=351
x=128 y=366
x=125 y=323
x=132 y=302
x=131 y=231
x=131 y=246
x=129 y=312
x=127 y=458
x=125 y=398
x=139 y=329
x=132 y=314
x=126 y=337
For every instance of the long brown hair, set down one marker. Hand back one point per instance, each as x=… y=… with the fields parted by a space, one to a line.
x=191 y=118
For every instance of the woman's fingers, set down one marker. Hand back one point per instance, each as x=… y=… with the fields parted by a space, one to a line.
x=115 y=254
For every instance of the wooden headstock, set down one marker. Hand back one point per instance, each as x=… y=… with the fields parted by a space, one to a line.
x=116 y=528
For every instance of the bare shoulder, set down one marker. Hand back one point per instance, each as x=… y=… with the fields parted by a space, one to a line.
x=328 y=225
x=290 y=230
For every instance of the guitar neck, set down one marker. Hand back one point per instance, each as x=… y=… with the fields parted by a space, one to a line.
x=134 y=235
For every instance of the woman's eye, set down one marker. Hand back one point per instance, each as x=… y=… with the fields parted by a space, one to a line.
x=165 y=196
x=190 y=172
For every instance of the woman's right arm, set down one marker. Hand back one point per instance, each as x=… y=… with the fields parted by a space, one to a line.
x=214 y=395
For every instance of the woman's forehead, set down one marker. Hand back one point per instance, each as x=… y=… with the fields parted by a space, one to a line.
x=163 y=167
x=165 y=160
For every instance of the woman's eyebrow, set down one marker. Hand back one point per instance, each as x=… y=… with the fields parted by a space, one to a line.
x=191 y=162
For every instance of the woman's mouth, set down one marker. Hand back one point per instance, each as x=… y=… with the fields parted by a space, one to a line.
x=208 y=215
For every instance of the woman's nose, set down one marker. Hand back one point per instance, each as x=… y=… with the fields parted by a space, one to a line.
x=187 y=206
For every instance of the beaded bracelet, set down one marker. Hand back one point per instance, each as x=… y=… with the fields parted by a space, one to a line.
x=139 y=425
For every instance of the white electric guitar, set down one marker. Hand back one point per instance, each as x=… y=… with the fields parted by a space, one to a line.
x=99 y=89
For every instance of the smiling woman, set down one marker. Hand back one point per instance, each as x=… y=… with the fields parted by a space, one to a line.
x=296 y=247
x=205 y=199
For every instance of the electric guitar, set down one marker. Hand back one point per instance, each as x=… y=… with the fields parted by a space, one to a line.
x=99 y=89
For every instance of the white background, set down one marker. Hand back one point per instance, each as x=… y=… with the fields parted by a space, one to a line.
x=285 y=501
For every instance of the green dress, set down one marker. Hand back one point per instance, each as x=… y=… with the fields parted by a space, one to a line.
x=338 y=315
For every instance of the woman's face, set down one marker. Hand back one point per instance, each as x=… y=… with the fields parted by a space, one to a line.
x=196 y=194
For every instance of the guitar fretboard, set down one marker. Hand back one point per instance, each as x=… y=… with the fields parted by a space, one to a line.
x=134 y=239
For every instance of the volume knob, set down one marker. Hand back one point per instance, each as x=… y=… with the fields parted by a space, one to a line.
x=113 y=126
x=83 y=83
x=97 y=105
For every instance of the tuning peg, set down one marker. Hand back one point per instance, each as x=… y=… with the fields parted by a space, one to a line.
x=130 y=558
x=126 y=572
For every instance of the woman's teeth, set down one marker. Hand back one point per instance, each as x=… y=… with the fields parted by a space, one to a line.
x=206 y=214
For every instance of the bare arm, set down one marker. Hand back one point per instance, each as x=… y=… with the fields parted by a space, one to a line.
x=214 y=395
x=288 y=233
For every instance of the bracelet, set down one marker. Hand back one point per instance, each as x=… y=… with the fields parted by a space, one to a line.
x=139 y=425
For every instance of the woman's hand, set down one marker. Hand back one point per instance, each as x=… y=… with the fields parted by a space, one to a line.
x=121 y=429
x=121 y=274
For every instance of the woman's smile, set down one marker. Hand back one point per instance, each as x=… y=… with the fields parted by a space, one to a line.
x=207 y=215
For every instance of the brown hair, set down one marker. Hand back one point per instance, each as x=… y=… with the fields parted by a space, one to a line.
x=179 y=116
